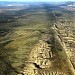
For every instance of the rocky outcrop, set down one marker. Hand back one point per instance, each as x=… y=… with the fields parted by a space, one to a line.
x=39 y=62
x=39 y=58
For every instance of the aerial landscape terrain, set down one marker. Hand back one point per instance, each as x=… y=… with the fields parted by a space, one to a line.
x=37 y=38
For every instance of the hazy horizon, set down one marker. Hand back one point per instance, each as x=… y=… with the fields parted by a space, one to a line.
x=38 y=0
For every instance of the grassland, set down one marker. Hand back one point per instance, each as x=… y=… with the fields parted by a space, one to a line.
x=18 y=37
x=21 y=30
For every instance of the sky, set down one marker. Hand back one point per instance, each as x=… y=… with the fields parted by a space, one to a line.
x=39 y=0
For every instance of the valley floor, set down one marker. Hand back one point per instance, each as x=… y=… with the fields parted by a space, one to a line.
x=40 y=41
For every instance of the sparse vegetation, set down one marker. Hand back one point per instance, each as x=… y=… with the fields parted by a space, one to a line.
x=20 y=30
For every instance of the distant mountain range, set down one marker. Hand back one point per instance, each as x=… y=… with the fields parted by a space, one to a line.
x=13 y=3
x=69 y=3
